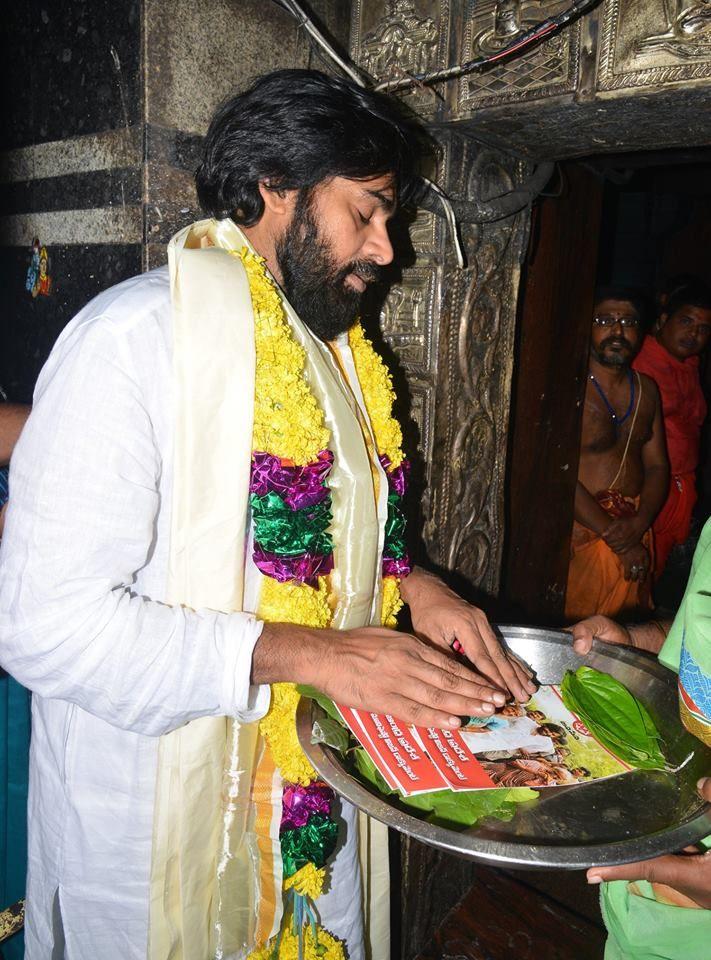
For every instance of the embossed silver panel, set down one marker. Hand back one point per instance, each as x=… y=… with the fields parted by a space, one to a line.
x=650 y=42
x=407 y=318
x=397 y=37
x=465 y=523
x=549 y=69
x=422 y=412
x=424 y=232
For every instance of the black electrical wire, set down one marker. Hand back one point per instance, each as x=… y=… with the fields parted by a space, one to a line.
x=536 y=32
x=294 y=8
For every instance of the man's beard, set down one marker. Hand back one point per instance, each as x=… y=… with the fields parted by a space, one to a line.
x=614 y=358
x=313 y=281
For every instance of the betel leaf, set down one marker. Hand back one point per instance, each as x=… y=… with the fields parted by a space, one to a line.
x=369 y=772
x=614 y=716
x=464 y=808
x=322 y=700
x=333 y=734
x=450 y=808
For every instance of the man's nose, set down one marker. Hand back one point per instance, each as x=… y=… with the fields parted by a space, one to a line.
x=377 y=246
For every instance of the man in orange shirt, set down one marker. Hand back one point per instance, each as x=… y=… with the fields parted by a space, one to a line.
x=671 y=358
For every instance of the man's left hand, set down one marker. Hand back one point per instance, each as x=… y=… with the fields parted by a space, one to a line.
x=688 y=873
x=624 y=533
x=600 y=628
x=440 y=616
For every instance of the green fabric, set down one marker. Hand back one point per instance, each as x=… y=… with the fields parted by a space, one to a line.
x=288 y=533
x=312 y=843
x=14 y=753
x=694 y=614
x=692 y=623
x=395 y=545
x=641 y=928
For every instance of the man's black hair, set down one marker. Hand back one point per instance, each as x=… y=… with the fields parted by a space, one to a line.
x=555 y=727
x=621 y=292
x=296 y=128
x=693 y=294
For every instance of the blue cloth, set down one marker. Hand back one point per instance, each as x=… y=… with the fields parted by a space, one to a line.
x=14 y=753
x=696 y=683
x=4 y=489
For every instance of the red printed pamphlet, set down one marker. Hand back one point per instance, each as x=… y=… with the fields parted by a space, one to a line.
x=537 y=744
x=398 y=750
x=352 y=718
x=455 y=761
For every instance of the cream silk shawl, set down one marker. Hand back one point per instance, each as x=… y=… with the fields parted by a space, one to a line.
x=205 y=864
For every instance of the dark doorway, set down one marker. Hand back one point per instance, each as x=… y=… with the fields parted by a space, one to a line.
x=549 y=381
x=656 y=226
x=636 y=219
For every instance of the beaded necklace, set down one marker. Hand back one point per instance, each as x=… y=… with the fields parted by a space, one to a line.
x=617 y=421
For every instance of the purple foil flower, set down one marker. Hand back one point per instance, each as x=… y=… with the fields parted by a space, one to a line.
x=297 y=486
x=398 y=478
x=299 y=803
x=397 y=568
x=306 y=567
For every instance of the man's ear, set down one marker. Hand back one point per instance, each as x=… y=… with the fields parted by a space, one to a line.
x=278 y=202
x=663 y=317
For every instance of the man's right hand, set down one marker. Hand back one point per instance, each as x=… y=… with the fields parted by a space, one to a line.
x=376 y=669
x=635 y=563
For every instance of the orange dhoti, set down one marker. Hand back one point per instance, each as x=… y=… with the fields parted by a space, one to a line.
x=673 y=524
x=596 y=580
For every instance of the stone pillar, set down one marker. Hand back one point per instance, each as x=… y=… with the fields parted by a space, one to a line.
x=110 y=100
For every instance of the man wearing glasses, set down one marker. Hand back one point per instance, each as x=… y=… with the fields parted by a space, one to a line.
x=623 y=473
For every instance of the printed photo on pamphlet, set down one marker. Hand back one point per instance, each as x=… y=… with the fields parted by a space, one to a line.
x=539 y=744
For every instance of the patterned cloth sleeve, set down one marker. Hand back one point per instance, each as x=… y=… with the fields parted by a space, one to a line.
x=4 y=492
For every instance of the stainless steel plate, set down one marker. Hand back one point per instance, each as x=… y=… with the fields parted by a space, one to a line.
x=631 y=817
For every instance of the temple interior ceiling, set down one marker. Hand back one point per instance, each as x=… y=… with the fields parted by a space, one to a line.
x=562 y=97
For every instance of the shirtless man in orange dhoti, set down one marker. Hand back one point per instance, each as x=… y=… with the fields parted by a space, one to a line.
x=623 y=474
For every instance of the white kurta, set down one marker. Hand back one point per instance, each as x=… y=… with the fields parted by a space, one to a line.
x=112 y=667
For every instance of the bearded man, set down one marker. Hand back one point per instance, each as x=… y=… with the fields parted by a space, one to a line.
x=623 y=472
x=206 y=502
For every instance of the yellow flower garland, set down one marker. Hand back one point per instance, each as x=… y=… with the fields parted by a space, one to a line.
x=377 y=386
x=295 y=603
x=392 y=602
x=289 y=423
x=325 y=948
x=308 y=881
